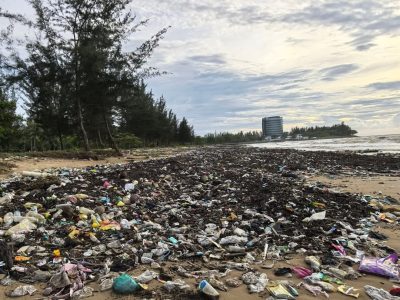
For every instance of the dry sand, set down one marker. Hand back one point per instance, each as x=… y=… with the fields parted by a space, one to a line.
x=37 y=164
x=369 y=185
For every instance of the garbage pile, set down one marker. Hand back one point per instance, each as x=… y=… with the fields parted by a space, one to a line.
x=215 y=209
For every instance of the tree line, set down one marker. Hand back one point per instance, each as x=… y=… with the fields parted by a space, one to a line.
x=79 y=84
x=227 y=137
x=337 y=130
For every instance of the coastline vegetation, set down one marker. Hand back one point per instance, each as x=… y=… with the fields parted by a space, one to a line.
x=337 y=130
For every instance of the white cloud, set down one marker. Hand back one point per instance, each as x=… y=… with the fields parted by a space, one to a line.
x=313 y=62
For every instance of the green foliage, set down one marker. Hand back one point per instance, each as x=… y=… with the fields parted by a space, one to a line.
x=79 y=84
x=185 y=132
x=10 y=123
x=226 y=137
x=128 y=141
x=337 y=130
x=147 y=118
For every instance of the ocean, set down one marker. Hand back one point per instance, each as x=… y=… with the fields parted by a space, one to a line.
x=366 y=144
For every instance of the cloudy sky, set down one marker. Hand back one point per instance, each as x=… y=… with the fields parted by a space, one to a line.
x=231 y=62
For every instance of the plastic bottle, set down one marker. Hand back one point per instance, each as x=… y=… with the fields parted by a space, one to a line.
x=93 y=238
x=85 y=211
x=8 y=219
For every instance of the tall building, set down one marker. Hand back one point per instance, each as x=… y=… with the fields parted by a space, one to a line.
x=272 y=126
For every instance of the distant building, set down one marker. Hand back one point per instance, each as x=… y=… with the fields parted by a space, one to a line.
x=272 y=127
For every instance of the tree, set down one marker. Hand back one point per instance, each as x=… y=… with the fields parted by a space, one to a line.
x=76 y=70
x=10 y=122
x=185 y=132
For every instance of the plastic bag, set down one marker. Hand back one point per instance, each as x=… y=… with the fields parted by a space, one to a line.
x=338 y=272
x=24 y=226
x=178 y=284
x=85 y=292
x=314 y=262
x=249 y=278
x=233 y=239
x=146 y=277
x=315 y=290
x=260 y=284
x=279 y=291
x=316 y=217
x=7 y=198
x=125 y=284
x=301 y=272
x=378 y=294
x=326 y=286
x=23 y=290
x=218 y=284
x=106 y=284
x=380 y=266
x=232 y=282
x=349 y=291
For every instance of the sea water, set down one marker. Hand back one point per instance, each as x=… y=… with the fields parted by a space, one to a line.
x=366 y=144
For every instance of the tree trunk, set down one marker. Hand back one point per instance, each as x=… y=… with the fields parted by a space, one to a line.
x=60 y=137
x=100 y=139
x=111 y=138
x=84 y=134
x=78 y=100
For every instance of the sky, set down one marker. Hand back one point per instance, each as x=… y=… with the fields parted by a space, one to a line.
x=231 y=62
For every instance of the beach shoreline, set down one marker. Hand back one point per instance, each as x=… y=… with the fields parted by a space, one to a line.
x=361 y=182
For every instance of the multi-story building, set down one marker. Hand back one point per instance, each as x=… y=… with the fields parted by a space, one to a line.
x=272 y=127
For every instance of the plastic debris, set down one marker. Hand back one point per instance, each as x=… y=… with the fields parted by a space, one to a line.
x=24 y=226
x=380 y=266
x=125 y=284
x=282 y=271
x=315 y=290
x=378 y=294
x=349 y=291
x=314 y=262
x=301 y=272
x=279 y=291
x=198 y=217
x=208 y=289
x=22 y=290
x=316 y=217
x=146 y=277
x=35 y=174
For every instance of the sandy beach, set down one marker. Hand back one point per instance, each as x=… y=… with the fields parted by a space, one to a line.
x=378 y=185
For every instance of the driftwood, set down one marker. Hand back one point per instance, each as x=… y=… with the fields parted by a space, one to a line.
x=7 y=253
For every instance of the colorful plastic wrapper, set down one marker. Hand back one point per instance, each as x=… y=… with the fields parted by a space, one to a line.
x=385 y=267
x=349 y=291
x=301 y=272
x=280 y=292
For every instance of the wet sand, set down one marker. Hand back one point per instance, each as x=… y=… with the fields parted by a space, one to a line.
x=366 y=185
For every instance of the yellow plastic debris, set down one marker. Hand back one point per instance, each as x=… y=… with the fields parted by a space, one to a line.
x=73 y=234
x=81 y=196
x=83 y=217
x=29 y=205
x=349 y=291
x=57 y=253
